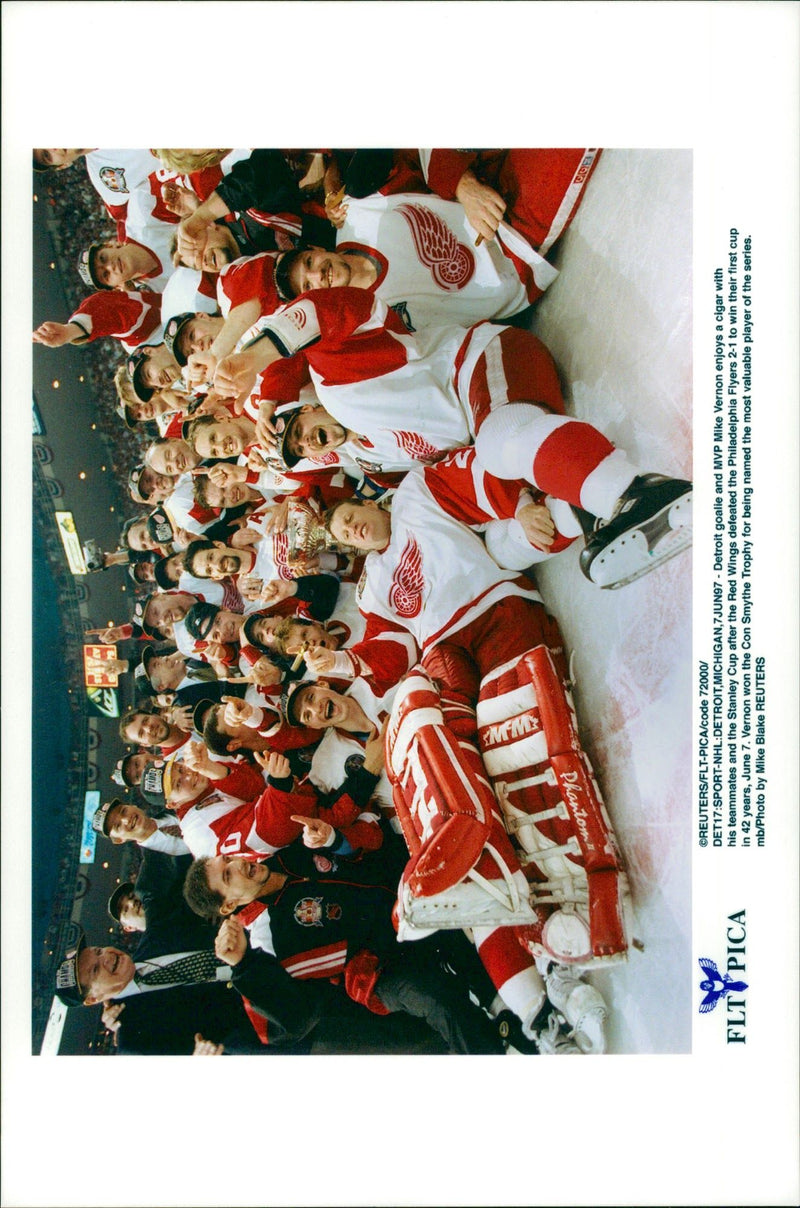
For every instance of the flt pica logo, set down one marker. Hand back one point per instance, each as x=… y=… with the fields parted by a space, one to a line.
x=717 y=987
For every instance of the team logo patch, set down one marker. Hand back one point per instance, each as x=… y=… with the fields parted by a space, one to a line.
x=326 y=459
x=333 y=911
x=405 y=592
x=280 y=554
x=114 y=179
x=308 y=912
x=296 y=316
x=451 y=263
x=360 y=586
x=417 y=446
x=323 y=864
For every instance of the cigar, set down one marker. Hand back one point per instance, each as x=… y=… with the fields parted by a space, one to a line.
x=300 y=656
x=479 y=241
x=333 y=199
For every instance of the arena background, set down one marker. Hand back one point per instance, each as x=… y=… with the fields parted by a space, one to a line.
x=81 y=459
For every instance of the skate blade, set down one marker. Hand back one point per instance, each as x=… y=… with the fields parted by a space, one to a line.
x=635 y=554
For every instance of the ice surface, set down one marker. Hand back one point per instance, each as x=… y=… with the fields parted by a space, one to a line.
x=619 y=323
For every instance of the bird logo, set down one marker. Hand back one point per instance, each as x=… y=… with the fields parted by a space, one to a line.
x=716 y=985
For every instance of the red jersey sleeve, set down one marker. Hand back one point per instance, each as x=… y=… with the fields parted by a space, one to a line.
x=131 y=317
x=384 y=655
x=445 y=169
x=464 y=490
x=244 y=780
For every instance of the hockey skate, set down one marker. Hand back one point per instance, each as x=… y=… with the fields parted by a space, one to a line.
x=552 y=1041
x=581 y=1005
x=651 y=524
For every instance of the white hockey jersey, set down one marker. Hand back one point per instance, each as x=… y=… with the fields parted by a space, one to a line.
x=430 y=271
x=406 y=396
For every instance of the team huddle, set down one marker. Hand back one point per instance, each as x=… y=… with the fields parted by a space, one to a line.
x=361 y=781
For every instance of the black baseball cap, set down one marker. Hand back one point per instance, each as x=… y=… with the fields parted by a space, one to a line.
x=68 y=987
x=289 y=701
x=284 y=426
x=199 y=619
x=86 y=267
x=114 y=901
x=152 y=783
x=172 y=334
x=134 y=367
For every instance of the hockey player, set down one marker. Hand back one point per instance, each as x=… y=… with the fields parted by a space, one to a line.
x=131 y=318
x=417 y=254
x=115 y=174
x=422 y=395
x=263 y=206
x=353 y=723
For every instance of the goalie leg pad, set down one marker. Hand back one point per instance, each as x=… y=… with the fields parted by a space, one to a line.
x=440 y=789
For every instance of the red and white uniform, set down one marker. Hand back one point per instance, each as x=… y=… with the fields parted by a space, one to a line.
x=542 y=187
x=205 y=180
x=188 y=290
x=435 y=577
x=183 y=509
x=118 y=174
x=429 y=269
x=140 y=227
x=329 y=761
x=131 y=318
x=412 y=398
x=247 y=278
x=219 y=825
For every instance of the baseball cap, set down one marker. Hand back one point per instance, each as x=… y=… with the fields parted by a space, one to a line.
x=68 y=988
x=172 y=334
x=123 y=410
x=148 y=654
x=200 y=618
x=119 y=893
x=100 y=817
x=284 y=426
x=139 y=610
x=159 y=526
x=152 y=783
x=289 y=701
x=199 y=714
x=86 y=266
x=121 y=773
x=134 y=367
x=248 y=632
x=133 y=482
x=162 y=576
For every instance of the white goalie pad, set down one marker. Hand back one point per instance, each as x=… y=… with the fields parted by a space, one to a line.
x=553 y=811
x=544 y=863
